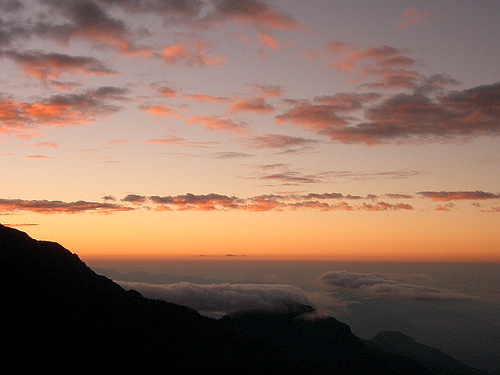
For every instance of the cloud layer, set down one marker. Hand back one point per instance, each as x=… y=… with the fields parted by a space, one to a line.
x=224 y=298
x=388 y=286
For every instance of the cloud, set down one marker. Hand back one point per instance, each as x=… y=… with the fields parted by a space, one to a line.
x=118 y=142
x=91 y=21
x=404 y=118
x=258 y=105
x=224 y=298
x=134 y=199
x=21 y=225
x=229 y=155
x=290 y=177
x=38 y=157
x=56 y=207
x=59 y=110
x=177 y=141
x=278 y=141
x=388 y=286
x=388 y=66
x=268 y=91
x=166 y=8
x=191 y=54
x=45 y=144
x=446 y=196
x=49 y=66
x=273 y=202
x=161 y=110
x=384 y=206
x=413 y=17
x=268 y=41
x=254 y=13
x=187 y=202
x=218 y=123
x=325 y=113
x=11 y=5
x=203 y=98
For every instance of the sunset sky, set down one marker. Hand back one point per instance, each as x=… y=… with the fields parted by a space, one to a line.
x=322 y=130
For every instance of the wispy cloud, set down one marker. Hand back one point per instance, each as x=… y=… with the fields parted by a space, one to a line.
x=49 y=66
x=258 y=105
x=56 y=207
x=173 y=140
x=446 y=196
x=60 y=110
x=389 y=286
x=254 y=13
x=218 y=123
x=415 y=17
x=278 y=141
x=45 y=144
x=191 y=54
x=161 y=110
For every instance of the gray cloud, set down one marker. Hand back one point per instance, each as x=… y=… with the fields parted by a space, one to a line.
x=389 y=286
x=428 y=114
x=45 y=66
x=54 y=207
x=224 y=298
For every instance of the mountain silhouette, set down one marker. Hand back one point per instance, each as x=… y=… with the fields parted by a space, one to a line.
x=58 y=315
x=434 y=359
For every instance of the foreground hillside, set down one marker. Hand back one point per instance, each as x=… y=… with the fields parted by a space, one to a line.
x=58 y=315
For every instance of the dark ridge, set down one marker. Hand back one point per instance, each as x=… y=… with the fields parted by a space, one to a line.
x=57 y=315
x=437 y=361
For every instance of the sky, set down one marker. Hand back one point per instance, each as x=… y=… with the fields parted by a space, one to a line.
x=318 y=130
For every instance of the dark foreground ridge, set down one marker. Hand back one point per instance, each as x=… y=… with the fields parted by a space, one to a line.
x=58 y=315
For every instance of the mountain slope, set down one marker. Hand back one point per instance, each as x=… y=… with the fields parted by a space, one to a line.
x=437 y=361
x=57 y=315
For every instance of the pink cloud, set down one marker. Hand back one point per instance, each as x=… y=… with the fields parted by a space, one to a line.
x=60 y=110
x=268 y=91
x=388 y=66
x=191 y=54
x=218 y=123
x=46 y=144
x=277 y=141
x=258 y=105
x=402 y=118
x=203 y=98
x=413 y=17
x=177 y=141
x=268 y=41
x=446 y=196
x=161 y=110
x=46 y=66
x=255 y=13
x=57 y=207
